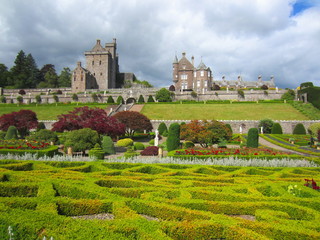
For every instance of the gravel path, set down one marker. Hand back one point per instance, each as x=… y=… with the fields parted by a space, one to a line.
x=264 y=142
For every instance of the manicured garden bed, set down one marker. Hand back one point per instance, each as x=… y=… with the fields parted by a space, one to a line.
x=156 y=201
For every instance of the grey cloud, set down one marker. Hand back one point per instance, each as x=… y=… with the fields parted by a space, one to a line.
x=247 y=37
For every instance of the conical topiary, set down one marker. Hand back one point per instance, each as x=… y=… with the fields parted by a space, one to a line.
x=299 y=129
x=276 y=129
x=173 y=141
x=108 y=145
x=12 y=133
x=162 y=128
x=253 y=138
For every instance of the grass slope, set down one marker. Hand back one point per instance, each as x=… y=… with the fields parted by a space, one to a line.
x=181 y=201
x=46 y=111
x=239 y=111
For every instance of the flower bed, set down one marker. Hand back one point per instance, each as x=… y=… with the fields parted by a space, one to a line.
x=301 y=140
x=246 y=153
x=230 y=151
x=23 y=144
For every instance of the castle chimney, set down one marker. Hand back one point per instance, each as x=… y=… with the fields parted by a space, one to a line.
x=78 y=64
x=272 y=78
x=98 y=41
x=223 y=78
x=192 y=60
x=183 y=54
x=259 y=78
x=114 y=40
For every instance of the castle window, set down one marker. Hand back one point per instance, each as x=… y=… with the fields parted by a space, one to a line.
x=198 y=83
x=206 y=83
x=100 y=74
x=94 y=74
x=74 y=77
x=195 y=74
x=209 y=75
x=202 y=73
x=81 y=77
x=92 y=63
x=100 y=62
x=184 y=76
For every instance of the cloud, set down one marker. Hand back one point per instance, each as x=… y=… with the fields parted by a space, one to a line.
x=247 y=37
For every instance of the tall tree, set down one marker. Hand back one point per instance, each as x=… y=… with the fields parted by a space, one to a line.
x=4 y=74
x=65 y=78
x=49 y=77
x=32 y=71
x=134 y=121
x=94 y=118
x=24 y=120
x=18 y=71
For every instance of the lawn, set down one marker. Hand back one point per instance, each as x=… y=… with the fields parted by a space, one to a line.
x=45 y=111
x=156 y=201
x=235 y=111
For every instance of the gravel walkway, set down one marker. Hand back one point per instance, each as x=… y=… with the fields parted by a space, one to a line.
x=264 y=142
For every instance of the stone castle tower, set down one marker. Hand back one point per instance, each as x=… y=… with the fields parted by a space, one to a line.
x=101 y=71
x=187 y=76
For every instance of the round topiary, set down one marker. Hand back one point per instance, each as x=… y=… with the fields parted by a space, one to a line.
x=188 y=144
x=44 y=135
x=276 y=129
x=173 y=141
x=96 y=152
x=139 y=146
x=162 y=127
x=253 y=138
x=150 y=151
x=12 y=133
x=126 y=142
x=299 y=129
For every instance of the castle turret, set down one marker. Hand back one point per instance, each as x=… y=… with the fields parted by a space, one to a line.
x=175 y=70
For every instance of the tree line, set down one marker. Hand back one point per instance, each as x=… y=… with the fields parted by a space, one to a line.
x=26 y=74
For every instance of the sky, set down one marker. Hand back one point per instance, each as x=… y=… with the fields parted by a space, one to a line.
x=232 y=37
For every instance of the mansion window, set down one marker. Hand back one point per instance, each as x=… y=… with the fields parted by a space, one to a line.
x=202 y=73
x=206 y=83
x=195 y=74
x=184 y=85
x=198 y=83
x=184 y=76
x=209 y=74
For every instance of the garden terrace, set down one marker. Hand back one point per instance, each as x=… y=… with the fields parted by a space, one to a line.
x=156 y=201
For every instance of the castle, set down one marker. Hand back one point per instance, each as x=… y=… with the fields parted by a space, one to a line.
x=188 y=77
x=101 y=71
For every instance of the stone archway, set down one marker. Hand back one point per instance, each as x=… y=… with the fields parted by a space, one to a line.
x=130 y=100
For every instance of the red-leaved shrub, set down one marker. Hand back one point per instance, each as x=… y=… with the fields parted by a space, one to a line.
x=150 y=151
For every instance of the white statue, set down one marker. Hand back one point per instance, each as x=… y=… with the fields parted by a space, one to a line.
x=156 y=139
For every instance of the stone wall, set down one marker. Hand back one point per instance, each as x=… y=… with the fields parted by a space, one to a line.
x=134 y=93
x=287 y=126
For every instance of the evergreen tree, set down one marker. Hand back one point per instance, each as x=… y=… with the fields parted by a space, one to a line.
x=120 y=100
x=65 y=78
x=4 y=74
x=141 y=99
x=32 y=72
x=110 y=99
x=18 y=71
x=12 y=133
x=299 y=129
x=276 y=129
x=253 y=138
x=107 y=145
x=162 y=128
x=173 y=141
x=150 y=99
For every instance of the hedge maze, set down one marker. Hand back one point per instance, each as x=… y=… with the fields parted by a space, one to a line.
x=101 y=200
